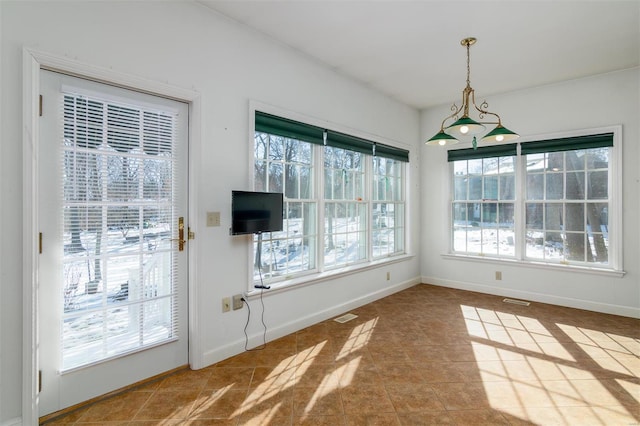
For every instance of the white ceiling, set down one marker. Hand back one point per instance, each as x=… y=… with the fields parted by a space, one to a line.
x=410 y=50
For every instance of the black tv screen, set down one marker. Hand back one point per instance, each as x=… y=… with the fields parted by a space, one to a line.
x=255 y=212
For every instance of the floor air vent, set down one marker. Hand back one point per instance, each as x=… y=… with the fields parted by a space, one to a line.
x=516 y=302
x=344 y=318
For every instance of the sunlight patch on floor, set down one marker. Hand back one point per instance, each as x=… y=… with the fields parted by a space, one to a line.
x=632 y=388
x=210 y=400
x=356 y=341
x=306 y=358
x=619 y=354
x=508 y=329
x=358 y=338
x=281 y=378
x=265 y=417
x=288 y=372
x=522 y=365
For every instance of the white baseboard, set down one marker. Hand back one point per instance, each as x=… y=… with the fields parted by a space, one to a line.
x=588 y=305
x=12 y=422
x=234 y=348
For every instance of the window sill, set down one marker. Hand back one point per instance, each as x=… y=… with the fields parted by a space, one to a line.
x=313 y=278
x=538 y=265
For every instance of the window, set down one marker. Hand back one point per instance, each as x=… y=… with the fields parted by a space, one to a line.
x=484 y=201
x=388 y=228
x=345 y=208
x=286 y=165
x=344 y=201
x=564 y=193
x=567 y=200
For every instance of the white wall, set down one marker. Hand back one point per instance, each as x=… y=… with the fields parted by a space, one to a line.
x=188 y=46
x=598 y=101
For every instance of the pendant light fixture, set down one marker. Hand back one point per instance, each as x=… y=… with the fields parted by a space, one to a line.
x=465 y=125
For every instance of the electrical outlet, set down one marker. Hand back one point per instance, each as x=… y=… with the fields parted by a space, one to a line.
x=498 y=275
x=213 y=218
x=237 y=301
x=388 y=276
x=226 y=304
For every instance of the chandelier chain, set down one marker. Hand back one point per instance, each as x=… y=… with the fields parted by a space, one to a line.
x=468 y=67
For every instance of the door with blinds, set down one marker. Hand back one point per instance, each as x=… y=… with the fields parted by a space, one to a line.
x=112 y=203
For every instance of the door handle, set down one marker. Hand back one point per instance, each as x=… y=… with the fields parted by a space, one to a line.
x=180 y=238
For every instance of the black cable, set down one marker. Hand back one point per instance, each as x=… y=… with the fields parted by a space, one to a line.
x=246 y=336
x=264 y=335
x=262 y=287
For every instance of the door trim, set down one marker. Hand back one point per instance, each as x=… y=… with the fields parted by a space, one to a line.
x=33 y=61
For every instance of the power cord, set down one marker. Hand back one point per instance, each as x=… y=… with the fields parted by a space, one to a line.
x=262 y=287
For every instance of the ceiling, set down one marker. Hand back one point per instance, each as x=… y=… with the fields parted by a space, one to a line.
x=410 y=50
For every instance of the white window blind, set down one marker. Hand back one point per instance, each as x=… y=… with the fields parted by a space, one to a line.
x=119 y=265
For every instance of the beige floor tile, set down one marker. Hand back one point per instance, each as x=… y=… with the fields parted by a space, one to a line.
x=218 y=404
x=120 y=408
x=383 y=419
x=186 y=379
x=462 y=396
x=427 y=418
x=319 y=421
x=366 y=399
x=426 y=355
x=273 y=403
x=410 y=398
x=229 y=377
x=517 y=394
x=403 y=373
x=323 y=401
x=168 y=404
x=478 y=417
x=596 y=416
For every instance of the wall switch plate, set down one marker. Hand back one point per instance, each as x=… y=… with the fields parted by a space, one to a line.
x=213 y=218
x=498 y=275
x=226 y=304
x=237 y=302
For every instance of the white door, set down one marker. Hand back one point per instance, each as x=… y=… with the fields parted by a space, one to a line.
x=112 y=273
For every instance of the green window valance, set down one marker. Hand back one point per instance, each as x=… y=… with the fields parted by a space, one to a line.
x=567 y=144
x=267 y=123
x=505 y=150
x=352 y=143
x=387 y=151
x=279 y=126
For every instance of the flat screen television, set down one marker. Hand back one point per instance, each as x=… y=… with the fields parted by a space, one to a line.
x=255 y=212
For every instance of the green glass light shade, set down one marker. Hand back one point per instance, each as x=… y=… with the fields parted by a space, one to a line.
x=465 y=126
x=441 y=139
x=500 y=134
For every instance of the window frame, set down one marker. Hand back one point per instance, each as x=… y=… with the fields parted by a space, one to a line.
x=615 y=264
x=338 y=136
x=484 y=202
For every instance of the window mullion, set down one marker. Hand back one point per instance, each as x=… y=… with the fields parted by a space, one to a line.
x=368 y=194
x=320 y=205
x=520 y=228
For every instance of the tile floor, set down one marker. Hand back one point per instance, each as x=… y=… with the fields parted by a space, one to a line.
x=426 y=355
